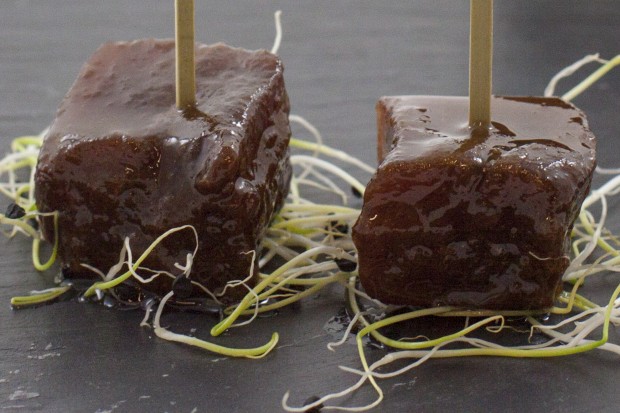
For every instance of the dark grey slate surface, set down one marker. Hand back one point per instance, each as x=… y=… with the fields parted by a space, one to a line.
x=340 y=56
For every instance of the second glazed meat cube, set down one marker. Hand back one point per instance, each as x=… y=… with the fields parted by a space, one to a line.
x=469 y=218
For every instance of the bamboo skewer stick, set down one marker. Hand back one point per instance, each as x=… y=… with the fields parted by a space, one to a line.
x=480 y=62
x=184 y=42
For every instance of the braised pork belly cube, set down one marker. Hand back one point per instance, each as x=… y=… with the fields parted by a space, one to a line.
x=121 y=161
x=473 y=218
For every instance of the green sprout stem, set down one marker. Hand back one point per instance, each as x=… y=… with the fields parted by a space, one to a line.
x=313 y=289
x=250 y=298
x=163 y=333
x=587 y=225
x=21 y=224
x=36 y=242
x=590 y=80
x=39 y=297
x=22 y=143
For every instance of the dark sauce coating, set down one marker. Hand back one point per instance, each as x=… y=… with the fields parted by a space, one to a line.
x=121 y=161
x=469 y=218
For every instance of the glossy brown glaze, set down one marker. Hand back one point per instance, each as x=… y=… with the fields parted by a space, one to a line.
x=476 y=219
x=121 y=161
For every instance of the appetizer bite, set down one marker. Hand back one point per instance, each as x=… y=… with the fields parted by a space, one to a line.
x=475 y=198
x=121 y=161
x=470 y=217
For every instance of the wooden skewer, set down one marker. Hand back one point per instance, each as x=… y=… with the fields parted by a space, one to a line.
x=185 y=67
x=480 y=62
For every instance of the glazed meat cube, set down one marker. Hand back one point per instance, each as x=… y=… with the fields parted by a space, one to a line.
x=469 y=218
x=121 y=161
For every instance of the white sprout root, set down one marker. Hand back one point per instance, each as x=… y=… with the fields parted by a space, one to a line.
x=278 y=39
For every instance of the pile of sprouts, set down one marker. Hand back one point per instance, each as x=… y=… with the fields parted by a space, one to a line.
x=308 y=246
